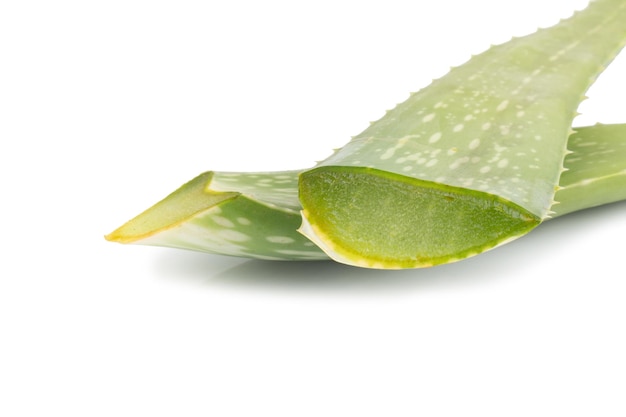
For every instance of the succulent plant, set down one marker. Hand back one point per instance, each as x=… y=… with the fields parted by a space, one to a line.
x=478 y=158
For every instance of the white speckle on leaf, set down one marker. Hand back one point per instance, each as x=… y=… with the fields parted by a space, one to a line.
x=401 y=142
x=435 y=137
x=474 y=143
x=311 y=254
x=458 y=127
x=233 y=235
x=499 y=148
x=459 y=162
x=388 y=153
x=222 y=221
x=503 y=105
x=283 y=240
x=428 y=117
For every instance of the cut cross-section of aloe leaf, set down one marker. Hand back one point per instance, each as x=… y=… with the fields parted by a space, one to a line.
x=256 y=215
x=468 y=163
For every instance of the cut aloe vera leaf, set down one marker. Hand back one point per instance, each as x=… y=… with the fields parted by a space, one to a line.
x=252 y=215
x=596 y=175
x=596 y=169
x=468 y=163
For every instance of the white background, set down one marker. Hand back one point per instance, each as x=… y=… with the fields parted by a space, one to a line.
x=106 y=107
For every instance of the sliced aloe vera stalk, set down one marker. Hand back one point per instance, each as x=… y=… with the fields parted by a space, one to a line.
x=253 y=215
x=468 y=163
x=256 y=215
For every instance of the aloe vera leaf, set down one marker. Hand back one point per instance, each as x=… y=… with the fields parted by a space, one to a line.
x=208 y=212
x=596 y=169
x=468 y=163
x=253 y=215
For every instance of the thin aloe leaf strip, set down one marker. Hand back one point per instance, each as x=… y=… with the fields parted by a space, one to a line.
x=595 y=170
x=214 y=211
x=253 y=215
x=468 y=163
